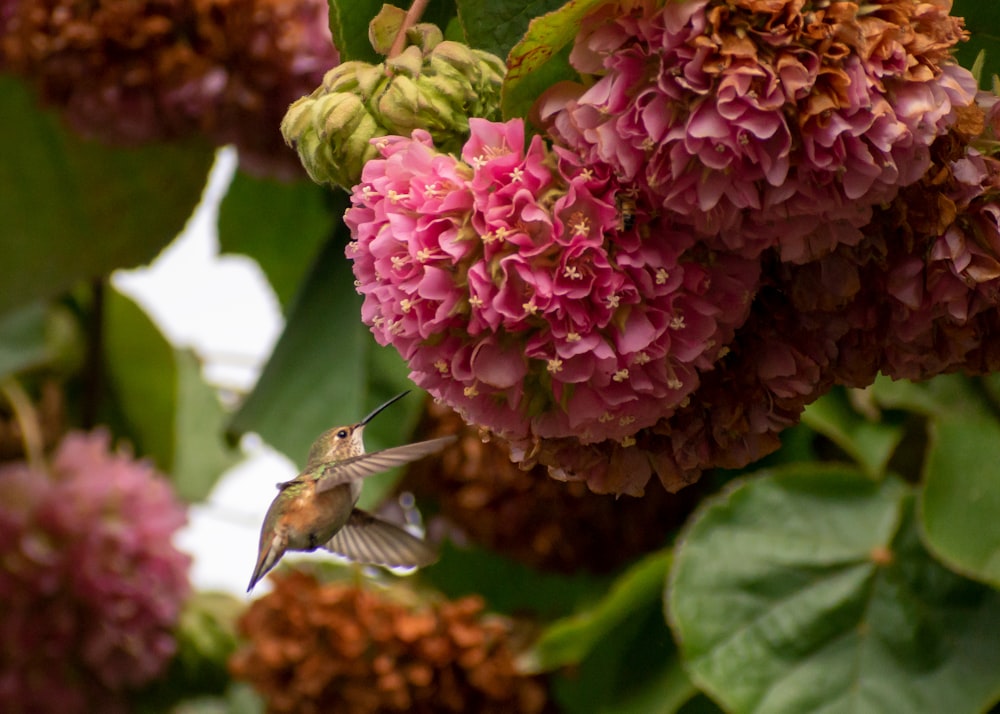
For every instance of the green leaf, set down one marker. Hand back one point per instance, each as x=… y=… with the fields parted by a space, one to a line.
x=497 y=26
x=508 y=586
x=635 y=669
x=541 y=58
x=75 y=210
x=205 y=636
x=569 y=640
x=142 y=372
x=280 y=225
x=944 y=393
x=22 y=338
x=982 y=19
x=961 y=496
x=171 y=415
x=808 y=589
x=349 y=21
x=327 y=370
x=870 y=443
x=201 y=454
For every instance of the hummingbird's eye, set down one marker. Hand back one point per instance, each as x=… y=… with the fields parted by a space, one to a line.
x=342 y=434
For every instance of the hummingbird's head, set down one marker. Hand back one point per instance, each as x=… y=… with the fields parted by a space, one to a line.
x=342 y=442
x=337 y=443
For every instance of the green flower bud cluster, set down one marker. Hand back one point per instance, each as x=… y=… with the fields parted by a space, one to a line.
x=433 y=84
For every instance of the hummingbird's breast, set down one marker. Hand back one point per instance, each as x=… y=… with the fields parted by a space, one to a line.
x=312 y=518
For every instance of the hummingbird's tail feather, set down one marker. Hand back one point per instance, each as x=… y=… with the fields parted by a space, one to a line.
x=368 y=539
x=269 y=557
x=375 y=462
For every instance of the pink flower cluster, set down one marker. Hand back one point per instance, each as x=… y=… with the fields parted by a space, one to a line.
x=91 y=585
x=522 y=292
x=763 y=123
x=734 y=219
x=916 y=297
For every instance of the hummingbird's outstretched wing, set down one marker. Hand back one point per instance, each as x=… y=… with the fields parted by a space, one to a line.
x=368 y=539
x=362 y=466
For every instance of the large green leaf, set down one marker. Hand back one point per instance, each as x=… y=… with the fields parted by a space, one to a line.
x=808 y=590
x=497 y=26
x=327 y=370
x=868 y=441
x=622 y=656
x=349 y=21
x=75 y=210
x=541 y=58
x=508 y=586
x=22 y=338
x=171 y=414
x=280 y=225
x=634 y=669
x=569 y=640
x=925 y=398
x=961 y=495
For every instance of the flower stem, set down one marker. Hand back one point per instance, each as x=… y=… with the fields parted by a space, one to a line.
x=412 y=15
x=27 y=421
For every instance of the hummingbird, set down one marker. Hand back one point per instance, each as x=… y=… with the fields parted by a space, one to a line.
x=316 y=509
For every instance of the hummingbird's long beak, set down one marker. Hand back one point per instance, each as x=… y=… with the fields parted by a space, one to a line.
x=383 y=406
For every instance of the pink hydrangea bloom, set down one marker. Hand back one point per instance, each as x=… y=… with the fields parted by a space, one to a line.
x=91 y=584
x=761 y=123
x=531 y=292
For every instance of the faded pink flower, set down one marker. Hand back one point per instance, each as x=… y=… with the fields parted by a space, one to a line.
x=91 y=585
x=939 y=299
x=134 y=71
x=758 y=123
x=522 y=292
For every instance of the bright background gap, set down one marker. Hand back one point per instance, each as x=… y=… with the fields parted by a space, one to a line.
x=223 y=308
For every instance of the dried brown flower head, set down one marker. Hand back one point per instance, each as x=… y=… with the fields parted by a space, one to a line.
x=524 y=514
x=130 y=72
x=317 y=647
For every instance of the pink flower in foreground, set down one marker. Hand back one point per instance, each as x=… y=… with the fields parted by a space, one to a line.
x=763 y=123
x=533 y=293
x=91 y=585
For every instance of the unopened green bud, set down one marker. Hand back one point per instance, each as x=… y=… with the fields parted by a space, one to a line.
x=433 y=84
x=332 y=128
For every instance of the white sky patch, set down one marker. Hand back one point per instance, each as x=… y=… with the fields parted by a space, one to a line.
x=224 y=309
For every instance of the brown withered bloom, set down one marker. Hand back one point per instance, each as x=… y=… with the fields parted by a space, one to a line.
x=315 y=647
x=523 y=514
x=915 y=298
x=130 y=72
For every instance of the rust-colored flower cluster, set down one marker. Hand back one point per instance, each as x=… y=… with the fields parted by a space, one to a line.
x=317 y=647
x=130 y=72
x=548 y=524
